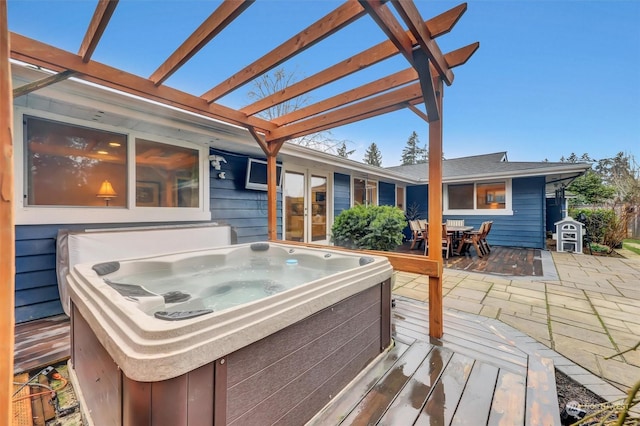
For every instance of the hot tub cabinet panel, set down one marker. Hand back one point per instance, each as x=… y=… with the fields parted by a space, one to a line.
x=284 y=378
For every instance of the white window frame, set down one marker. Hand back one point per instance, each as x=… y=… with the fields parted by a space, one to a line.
x=367 y=202
x=33 y=215
x=507 y=211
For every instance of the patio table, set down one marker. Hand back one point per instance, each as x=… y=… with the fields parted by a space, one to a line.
x=457 y=231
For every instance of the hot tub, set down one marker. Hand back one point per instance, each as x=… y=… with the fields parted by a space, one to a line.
x=248 y=334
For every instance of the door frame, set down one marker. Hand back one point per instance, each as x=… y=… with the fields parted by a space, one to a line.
x=308 y=173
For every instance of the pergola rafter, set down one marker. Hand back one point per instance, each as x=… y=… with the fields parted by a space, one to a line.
x=212 y=26
x=367 y=106
x=415 y=41
x=437 y=26
x=375 y=87
x=316 y=32
x=98 y=23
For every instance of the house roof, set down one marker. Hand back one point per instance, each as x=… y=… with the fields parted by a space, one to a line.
x=494 y=165
x=76 y=99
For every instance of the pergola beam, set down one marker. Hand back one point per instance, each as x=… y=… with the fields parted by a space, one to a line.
x=444 y=23
x=383 y=84
x=398 y=96
x=426 y=83
x=460 y=56
x=411 y=17
x=321 y=29
x=226 y=13
x=38 y=53
x=99 y=21
x=454 y=59
x=382 y=15
x=388 y=23
x=358 y=62
x=356 y=118
x=437 y=25
x=7 y=227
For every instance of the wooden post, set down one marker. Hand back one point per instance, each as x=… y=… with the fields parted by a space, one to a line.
x=272 y=197
x=435 y=215
x=7 y=228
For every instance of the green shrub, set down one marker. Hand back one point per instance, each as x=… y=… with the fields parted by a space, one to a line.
x=369 y=228
x=596 y=222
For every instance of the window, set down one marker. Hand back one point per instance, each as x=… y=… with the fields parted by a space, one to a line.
x=68 y=168
x=478 y=198
x=166 y=175
x=67 y=165
x=365 y=192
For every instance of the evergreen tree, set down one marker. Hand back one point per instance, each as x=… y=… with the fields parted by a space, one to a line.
x=590 y=189
x=412 y=152
x=373 y=155
x=342 y=151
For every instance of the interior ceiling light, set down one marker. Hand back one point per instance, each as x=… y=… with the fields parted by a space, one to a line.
x=103 y=152
x=114 y=144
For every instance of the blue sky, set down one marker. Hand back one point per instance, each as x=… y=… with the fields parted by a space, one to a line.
x=550 y=77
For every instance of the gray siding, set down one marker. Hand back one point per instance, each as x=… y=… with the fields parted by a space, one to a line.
x=386 y=194
x=244 y=209
x=341 y=193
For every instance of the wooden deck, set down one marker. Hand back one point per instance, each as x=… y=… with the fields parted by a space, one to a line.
x=510 y=261
x=473 y=376
x=41 y=343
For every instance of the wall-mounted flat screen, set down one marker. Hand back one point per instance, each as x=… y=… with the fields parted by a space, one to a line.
x=257 y=175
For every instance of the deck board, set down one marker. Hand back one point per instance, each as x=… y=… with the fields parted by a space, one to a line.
x=379 y=398
x=409 y=402
x=473 y=375
x=475 y=405
x=41 y=343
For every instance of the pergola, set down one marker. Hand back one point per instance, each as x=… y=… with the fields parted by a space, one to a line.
x=421 y=82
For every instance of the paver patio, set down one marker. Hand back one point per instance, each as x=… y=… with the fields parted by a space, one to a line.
x=585 y=308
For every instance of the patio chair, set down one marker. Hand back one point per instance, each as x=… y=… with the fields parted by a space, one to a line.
x=416 y=232
x=446 y=242
x=473 y=238
x=483 y=237
x=455 y=222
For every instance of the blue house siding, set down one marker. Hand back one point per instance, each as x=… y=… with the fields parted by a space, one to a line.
x=386 y=194
x=417 y=202
x=526 y=228
x=341 y=193
x=418 y=198
x=230 y=203
x=36 y=283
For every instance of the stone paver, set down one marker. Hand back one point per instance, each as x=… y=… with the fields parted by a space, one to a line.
x=584 y=310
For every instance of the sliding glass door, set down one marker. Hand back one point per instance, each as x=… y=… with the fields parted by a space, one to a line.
x=306 y=206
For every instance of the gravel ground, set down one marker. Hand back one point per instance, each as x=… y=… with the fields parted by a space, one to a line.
x=570 y=391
